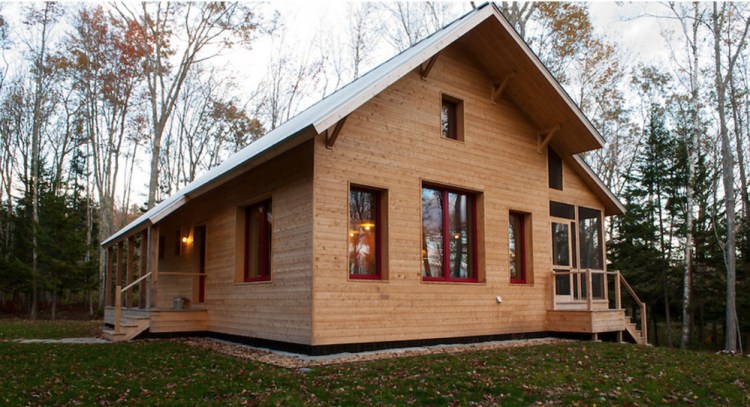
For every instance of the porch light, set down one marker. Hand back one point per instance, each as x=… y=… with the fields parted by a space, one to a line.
x=184 y=239
x=456 y=236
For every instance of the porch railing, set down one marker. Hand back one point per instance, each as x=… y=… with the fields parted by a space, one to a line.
x=118 y=299
x=583 y=293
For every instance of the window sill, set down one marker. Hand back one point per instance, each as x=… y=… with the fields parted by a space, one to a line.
x=254 y=281
x=456 y=281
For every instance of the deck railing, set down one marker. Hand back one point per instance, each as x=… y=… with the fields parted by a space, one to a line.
x=582 y=293
x=118 y=299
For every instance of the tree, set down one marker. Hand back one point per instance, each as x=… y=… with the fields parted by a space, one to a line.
x=721 y=18
x=205 y=28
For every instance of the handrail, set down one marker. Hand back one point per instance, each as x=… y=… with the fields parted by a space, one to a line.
x=641 y=304
x=136 y=282
x=118 y=300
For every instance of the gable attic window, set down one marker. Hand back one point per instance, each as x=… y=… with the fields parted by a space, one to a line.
x=555 y=169
x=258 y=228
x=452 y=118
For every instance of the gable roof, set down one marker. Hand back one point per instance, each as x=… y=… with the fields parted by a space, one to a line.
x=577 y=134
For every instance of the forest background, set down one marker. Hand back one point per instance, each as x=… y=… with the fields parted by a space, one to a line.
x=106 y=110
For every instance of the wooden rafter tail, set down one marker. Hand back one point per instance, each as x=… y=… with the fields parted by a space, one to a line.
x=499 y=87
x=332 y=135
x=426 y=67
x=546 y=136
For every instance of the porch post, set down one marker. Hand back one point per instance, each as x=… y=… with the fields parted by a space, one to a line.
x=554 y=290
x=108 y=277
x=143 y=269
x=118 y=279
x=129 y=271
x=618 y=291
x=153 y=264
x=589 y=296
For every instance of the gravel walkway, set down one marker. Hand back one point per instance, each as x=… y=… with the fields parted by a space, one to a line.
x=304 y=362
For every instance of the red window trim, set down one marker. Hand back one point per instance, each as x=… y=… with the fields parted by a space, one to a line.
x=378 y=234
x=522 y=217
x=446 y=236
x=265 y=268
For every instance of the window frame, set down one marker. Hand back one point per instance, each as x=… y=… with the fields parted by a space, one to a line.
x=522 y=217
x=472 y=206
x=458 y=117
x=379 y=194
x=266 y=240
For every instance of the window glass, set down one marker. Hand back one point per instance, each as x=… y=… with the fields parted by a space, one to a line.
x=258 y=227
x=560 y=247
x=555 y=169
x=590 y=238
x=562 y=210
x=449 y=119
x=364 y=233
x=516 y=247
x=460 y=219
x=447 y=235
x=432 y=233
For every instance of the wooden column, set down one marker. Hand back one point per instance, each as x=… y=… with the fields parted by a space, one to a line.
x=118 y=278
x=589 y=295
x=129 y=271
x=153 y=264
x=618 y=291
x=143 y=269
x=108 y=277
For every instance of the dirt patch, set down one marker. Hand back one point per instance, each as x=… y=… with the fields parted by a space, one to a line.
x=295 y=361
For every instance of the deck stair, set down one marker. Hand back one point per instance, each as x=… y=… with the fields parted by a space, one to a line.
x=130 y=327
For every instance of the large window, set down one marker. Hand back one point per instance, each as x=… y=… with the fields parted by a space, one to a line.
x=258 y=227
x=517 y=246
x=448 y=235
x=364 y=233
x=451 y=118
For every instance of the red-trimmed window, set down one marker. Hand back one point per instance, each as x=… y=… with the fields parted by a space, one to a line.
x=364 y=233
x=517 y=246
x=258 y=227
x=448 y=235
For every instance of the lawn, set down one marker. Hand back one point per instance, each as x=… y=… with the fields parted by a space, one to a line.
x=22 y=328
x=169 y=372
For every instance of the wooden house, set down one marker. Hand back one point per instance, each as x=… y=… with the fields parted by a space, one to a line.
x=438 y=198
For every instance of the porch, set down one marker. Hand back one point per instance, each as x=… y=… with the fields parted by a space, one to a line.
x=139 y=306
x=591 y=301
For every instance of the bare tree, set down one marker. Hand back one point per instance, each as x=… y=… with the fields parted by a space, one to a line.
x=205 y=29
x=719 y=24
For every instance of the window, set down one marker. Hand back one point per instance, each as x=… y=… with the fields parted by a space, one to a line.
x=448 y=235
x=178 y=242
x=555 y=170
x=364 y=233
x=451 y=118
x=258 y=227
x=518 y=243
x=592 y=254
x=162 y=246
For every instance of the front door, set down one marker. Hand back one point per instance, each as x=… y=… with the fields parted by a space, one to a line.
x=563 y=253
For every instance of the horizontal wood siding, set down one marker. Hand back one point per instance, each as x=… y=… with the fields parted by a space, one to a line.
x=393 y=142
x=278 y=309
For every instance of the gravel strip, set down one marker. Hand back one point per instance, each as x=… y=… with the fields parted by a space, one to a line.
x=304 y=362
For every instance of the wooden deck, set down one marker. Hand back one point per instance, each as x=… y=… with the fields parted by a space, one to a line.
x=163 y=320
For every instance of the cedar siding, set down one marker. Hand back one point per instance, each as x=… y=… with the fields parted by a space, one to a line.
x=393 y=143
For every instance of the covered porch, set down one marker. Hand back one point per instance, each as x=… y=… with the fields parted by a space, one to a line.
x=591 y=301
x=139 y=297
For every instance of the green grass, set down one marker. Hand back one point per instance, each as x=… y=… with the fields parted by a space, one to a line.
x=26 y=329
x=168 y=372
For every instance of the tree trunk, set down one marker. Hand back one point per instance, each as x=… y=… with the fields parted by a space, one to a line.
x=727 y=166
